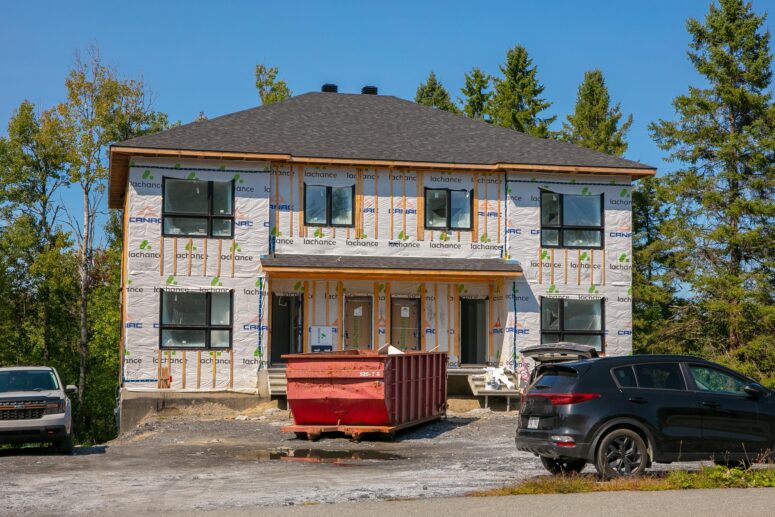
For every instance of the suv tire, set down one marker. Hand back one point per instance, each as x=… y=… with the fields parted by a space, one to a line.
x=558 y=466
x=65 y=445
x=621 y=453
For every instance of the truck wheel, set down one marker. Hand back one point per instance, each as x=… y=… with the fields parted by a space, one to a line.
x=621 y=452
x=559 y=466
x=65 y=445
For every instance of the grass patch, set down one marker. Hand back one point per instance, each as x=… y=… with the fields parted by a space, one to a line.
x=706 y=477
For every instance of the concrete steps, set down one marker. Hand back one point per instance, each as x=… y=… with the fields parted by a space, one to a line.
x=277 y=382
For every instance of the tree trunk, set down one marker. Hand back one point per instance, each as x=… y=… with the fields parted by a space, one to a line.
x=84 y=274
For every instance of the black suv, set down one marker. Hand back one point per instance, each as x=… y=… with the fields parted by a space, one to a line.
x=623 y=413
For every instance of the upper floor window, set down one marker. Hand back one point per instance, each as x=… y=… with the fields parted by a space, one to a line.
x=578 y=321
x=196 y=208
x=328 y=206
x=571 y=220
x=447 y=209
x=195 y=320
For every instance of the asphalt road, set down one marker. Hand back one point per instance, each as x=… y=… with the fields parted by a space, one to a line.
x=685 y=503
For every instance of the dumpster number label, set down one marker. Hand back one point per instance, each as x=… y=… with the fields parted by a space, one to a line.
x=368 y=374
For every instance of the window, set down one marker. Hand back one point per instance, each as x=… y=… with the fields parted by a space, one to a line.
x=625 y=377
x=195 y=320
x=716 y=381
x=579 y=321
x=447 y=209
x=28 y=380
x=571 y=220
x=663 y=376
x=328 y=206
x=196 y=208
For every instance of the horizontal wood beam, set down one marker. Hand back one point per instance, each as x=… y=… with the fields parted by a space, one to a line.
x=387 y=274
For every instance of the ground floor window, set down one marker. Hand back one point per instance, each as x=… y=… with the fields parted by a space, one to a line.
x=195 y=320
x=579 y=321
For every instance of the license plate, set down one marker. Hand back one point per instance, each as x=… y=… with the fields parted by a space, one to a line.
x=532 y=422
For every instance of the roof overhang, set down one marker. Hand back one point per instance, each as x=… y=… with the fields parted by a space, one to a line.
x=120 y=156
x=333 y=267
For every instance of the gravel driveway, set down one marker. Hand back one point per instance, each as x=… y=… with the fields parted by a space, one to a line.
x=224 y=460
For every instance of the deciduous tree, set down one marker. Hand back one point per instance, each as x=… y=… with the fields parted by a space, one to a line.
x=270 y=89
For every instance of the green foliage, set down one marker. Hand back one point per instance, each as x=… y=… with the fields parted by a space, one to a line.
x=517 y=100
x=706 y=477
x=61 y=289
x=476 y=94
x=594 y=123
x=720 y=226
x=432 y=93
x=270 y=89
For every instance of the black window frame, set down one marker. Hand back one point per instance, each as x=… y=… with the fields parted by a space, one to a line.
x=448 y=226
x=209 y=216
x=562 y=331
x=562 y=226
x=329 y=197
x=207 y=327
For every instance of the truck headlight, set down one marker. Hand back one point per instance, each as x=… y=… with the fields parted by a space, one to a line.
x=53 y=408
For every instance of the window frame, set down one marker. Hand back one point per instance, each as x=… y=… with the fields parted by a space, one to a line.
x=562 y=332
x=562 y=226
x=448 y=227
x=209 y=216
x=329 y=197
x=208 y=327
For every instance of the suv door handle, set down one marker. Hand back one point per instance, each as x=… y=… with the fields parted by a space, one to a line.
x=638 y=400
x=709 y=403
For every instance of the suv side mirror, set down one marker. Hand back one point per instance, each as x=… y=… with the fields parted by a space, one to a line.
x=754 y=389
x=70 y=389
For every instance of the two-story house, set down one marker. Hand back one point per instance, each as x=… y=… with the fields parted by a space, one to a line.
x=334 y=221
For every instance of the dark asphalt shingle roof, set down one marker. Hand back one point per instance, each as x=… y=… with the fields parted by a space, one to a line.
x=374 y=262
x=371 y=127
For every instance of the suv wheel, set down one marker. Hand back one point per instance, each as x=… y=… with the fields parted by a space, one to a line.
x=559 y=466
x=621 y=453
x=65 y=445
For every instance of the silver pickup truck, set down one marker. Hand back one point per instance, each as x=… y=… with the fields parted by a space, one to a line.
x=34 y=407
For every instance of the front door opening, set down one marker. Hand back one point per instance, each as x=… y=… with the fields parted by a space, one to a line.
x=357 y=323
x=286 y=326
x=405 y=323
x=473 y=331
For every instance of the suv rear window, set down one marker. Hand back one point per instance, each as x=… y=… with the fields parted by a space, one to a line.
x=555 y=380
x=665 y=376
x=625 y=377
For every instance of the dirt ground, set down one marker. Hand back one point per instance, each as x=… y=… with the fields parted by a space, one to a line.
x=216 y=459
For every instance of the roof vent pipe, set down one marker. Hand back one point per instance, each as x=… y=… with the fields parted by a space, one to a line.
x=329 y=88
x=369 y=90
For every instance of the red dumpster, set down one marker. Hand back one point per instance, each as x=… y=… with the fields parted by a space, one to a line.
x=358 y=391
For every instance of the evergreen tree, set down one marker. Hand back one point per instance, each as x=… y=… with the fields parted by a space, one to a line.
x=517 y=101
x=432 y=93
x=270 y=89
x=722 y=194
x=594 y=123
x=476 y=94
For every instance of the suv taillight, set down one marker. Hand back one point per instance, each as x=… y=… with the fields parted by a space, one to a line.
x=561 y=399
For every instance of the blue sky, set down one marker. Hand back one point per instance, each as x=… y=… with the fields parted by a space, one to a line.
x=200 y=56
